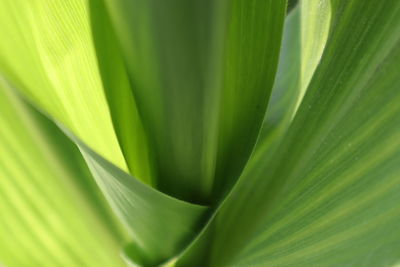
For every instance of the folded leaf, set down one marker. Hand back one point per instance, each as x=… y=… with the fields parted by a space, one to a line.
x=286 y=90
x=306 y=31
x=127 y=122
x=160 y=225
x=329 y=194
x=60 y=57
x=201 y=73
x=51 y=212
x=315 y=22
x=281 y=109
x=47 y=51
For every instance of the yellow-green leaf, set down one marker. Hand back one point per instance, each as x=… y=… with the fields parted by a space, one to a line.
x=51 y=212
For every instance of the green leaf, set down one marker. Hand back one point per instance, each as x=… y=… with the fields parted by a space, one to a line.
x=305 y=35
x=278 y=117
x=201 y=73
x=315 y=22
x=306 y=31
x=51 y=212
x=286 y=90
x=127 y=122
x=159 y=224
x=186 y=84
x=47 y=52
x=329 y=193
x=58 y=71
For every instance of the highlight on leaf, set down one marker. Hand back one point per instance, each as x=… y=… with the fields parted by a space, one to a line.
x=199 y=133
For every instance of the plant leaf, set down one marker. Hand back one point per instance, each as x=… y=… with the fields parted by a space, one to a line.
x=51 y=212
x=201 y=73
x=127 y=122
x=59 y=56
x=315 y=22
x=47 y=52
x=305 y=35
x=278 y=117
x=159 y=224
x=286 y=90
x=329 y=194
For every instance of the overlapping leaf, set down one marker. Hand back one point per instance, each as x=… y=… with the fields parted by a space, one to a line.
x=286 y=90
x=201 y=73
x=46 y=49
x=117 y=87
x=329 y=194
x=52 y=214
x=61 y=50
x=160 y=225
x=194 y=78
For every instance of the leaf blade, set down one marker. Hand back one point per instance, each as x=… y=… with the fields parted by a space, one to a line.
x=183 y=59
x=46 y=214
x=47 y=52
x=345 y=133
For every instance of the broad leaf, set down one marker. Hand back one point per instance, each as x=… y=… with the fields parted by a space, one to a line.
x=51 y=212
x=47 y=51
x=201 y=73
x=160 y=225
x=329 y=194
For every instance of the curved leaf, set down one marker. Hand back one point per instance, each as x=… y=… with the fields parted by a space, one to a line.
x=47 y=51
x=305 y=35
x=49 y=217
x=286 y=90
x=315 y=22
x=329 y=194
x=59 y=56
x=127 y=122
x=201 y=73
x=159 y=224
